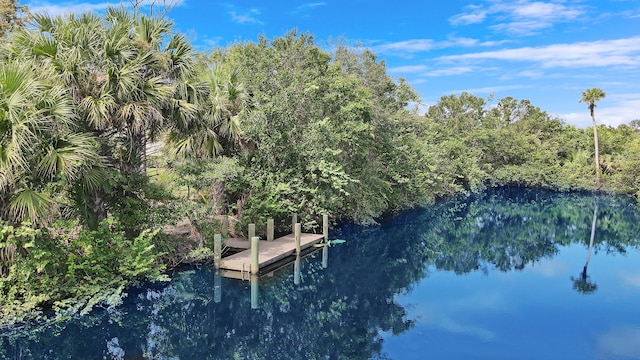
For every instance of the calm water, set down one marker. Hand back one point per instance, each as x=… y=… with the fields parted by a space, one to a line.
x=495 y=276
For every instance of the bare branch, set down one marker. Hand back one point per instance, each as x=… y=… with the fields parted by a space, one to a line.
x=164 y=6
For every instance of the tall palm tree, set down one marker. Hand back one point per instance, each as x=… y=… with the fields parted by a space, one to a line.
x=223 y=98
x=591 y=97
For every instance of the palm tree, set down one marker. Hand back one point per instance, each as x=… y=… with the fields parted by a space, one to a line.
x=123 y=79
x=40 y=154
x=591 y=97
x=123 y=74
x=223 y=98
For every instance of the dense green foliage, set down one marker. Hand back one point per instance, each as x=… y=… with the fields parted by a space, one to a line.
x=74 y=269
x=257 y=130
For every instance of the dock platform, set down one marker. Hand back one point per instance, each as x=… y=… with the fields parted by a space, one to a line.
x=269 y=252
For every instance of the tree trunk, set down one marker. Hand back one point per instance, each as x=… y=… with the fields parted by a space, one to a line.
x=97 y=210
x=143 y=155
x=597 y=149
x=217 y=196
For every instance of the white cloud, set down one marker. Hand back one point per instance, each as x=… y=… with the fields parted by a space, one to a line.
x=406 y=46
x=619 y=52
x=531 y=74
x=67 y=7
x=631 y=279
x=453 y=41
x=248 y=17
x=63 y=8
x=213 y=42
x=449 y=71
x=521 y=17
x=623 y=342
x=451 y=316
x=309 y=6
x=549 y=268
x=480 y=301
x=409 y=69
x=521 y=27
x=426 y=71
x=456 y=327
x=474 y=14
x=540 y=10
x=422 y=45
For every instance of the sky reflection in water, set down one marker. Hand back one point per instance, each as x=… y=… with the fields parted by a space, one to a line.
x=483 y=277
x=530 y=314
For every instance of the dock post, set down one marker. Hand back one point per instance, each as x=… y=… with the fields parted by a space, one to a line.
x=294 y=221
x=325 y=257
x=297 y=232
x=225 y=225
x=217 y=250
x=255 y=264
x=252 y=231
x=217 y=286
x=296 y=271
x=325 y=227
x=270 y=230
x=254 y=292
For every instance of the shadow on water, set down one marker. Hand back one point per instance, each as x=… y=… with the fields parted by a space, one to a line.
x=336 y=308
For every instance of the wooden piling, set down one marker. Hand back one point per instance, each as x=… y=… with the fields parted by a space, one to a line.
x=217 y=286
x=225 y=225
x=325 y=227
x=297 y=232
x=270 y=230
x=294 y=221
x=255 y=252
x=255 y=293
x=325 y=257
x=217 y=250
x=296 y=271
x=252 y=231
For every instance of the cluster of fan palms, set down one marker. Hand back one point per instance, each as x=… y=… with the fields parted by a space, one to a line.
x=81 y=95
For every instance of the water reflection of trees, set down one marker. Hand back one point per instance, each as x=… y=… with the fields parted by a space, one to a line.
x=490 y=231
x=340 y=312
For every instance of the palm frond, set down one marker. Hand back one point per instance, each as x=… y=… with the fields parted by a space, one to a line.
x=31 y=205
x=150 y=31
x=69 y=155
x=94 y=178
x=45 y=45
x=98 y=109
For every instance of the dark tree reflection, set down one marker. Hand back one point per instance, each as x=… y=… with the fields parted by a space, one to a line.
x=343 y=311
x=582 y=283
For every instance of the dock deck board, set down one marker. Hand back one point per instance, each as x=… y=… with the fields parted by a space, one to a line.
x=269 y=252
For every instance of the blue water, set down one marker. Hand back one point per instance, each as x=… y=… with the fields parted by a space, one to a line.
x=498 y=275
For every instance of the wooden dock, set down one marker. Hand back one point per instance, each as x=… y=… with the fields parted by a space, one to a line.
x=269 y=252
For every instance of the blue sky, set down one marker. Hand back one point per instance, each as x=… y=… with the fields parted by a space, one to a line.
x=547 y=51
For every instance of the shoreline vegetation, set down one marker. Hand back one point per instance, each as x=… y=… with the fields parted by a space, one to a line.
x=255 y=130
